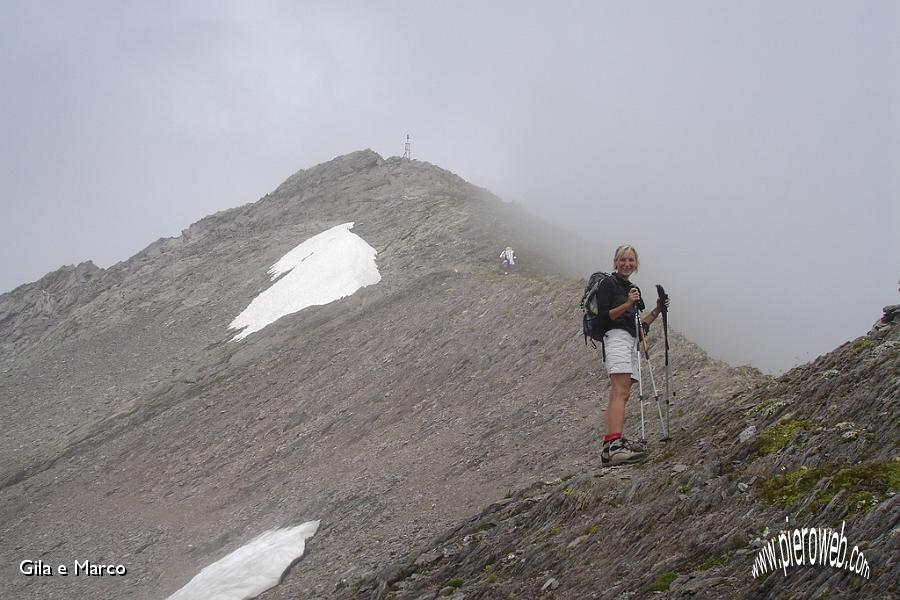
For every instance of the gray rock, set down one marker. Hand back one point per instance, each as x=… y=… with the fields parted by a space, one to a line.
x=577 y=541
x=550 y=584
x=428 y=558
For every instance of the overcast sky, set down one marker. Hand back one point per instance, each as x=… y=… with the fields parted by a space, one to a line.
x=748 y=149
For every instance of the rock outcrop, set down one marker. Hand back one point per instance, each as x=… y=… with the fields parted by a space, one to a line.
x=692 y=520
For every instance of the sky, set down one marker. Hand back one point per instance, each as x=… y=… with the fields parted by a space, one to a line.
x=327 y=267
x=750 y=151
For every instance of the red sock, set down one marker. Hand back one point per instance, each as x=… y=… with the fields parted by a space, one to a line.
x=611 y=437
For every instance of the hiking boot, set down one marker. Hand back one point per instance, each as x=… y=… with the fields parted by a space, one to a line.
x=634 y=445
x=617 y=453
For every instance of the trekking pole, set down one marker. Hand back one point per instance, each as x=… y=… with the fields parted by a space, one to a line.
x=637 y=347
x=663 y=423
x=670 y=393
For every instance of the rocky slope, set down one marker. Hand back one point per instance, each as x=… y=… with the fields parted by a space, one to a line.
x=137 y=434
x=83 y=345
x=817 y=446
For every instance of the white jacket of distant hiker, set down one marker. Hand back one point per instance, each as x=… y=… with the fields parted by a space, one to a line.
x=508 y=255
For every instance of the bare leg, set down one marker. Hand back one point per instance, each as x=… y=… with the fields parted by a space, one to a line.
x=619 y=392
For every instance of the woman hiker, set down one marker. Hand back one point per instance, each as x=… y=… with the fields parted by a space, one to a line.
x=622 y=299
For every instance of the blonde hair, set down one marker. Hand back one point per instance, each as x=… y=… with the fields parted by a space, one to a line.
x=622 y=250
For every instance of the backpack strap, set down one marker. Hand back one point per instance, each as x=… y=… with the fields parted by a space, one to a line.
x=594 y=282
x=594 y=346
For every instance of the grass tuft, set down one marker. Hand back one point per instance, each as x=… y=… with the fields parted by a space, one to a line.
x=864 y=485
x=662 y=583
x=779 y=436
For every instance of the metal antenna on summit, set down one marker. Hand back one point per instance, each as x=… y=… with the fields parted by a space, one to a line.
x=406 y=151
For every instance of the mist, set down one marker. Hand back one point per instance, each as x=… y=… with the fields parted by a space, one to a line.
x=748 y=151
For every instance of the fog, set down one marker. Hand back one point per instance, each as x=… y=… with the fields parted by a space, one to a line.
x=750 y=151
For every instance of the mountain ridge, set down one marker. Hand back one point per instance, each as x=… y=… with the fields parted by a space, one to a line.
x=391 y=415
x=120 y=291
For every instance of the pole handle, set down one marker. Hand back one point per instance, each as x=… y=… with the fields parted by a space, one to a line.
x=662 y=296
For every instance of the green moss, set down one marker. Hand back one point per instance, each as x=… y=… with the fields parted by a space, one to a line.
x=594 y=529
x=713 y=561
x=684 y=489
x=786 y=490
x=864 y=484
x=738 y=541
x=456 y=582
x=493 y=578
x=860 y=502
x=861 y=344
x=779 y=436
x=489 y=568
x=552 y=533
x=885 y=475
x=582 y=495
x=662 y=583
x=769 y=407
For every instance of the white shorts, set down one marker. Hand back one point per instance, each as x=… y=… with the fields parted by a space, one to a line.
x=621 y=354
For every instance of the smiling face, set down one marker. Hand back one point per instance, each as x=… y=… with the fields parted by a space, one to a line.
x=626 y=261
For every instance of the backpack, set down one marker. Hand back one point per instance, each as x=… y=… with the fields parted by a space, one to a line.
x=595 y=322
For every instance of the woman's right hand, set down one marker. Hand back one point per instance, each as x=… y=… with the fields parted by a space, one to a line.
x=633 y=295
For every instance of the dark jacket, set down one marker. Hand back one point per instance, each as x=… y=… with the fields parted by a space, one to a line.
x=613 y=292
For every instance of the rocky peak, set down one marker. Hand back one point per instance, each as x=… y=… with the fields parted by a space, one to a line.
x=355 y=163
x=31 y=309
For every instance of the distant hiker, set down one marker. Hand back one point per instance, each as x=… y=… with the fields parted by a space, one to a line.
x=507 y=259
x=621 y=299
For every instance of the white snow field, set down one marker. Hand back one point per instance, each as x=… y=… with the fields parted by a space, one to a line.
x=251 y=569
x=326 y=267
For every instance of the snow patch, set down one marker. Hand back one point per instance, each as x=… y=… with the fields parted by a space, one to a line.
x=326 y=267
x=251 y=569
